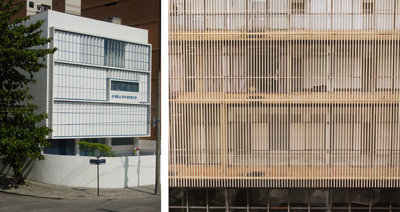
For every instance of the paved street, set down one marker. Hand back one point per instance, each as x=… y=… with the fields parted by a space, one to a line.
x=11 y=202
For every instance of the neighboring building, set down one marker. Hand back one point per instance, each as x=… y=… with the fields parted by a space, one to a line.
x=279 y=105
x=144 y=14
x=96 y=86
x=32 y=7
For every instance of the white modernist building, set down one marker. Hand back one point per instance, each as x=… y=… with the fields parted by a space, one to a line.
x=96 y=86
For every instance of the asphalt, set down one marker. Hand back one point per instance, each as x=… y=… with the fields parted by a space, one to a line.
x=37 y=189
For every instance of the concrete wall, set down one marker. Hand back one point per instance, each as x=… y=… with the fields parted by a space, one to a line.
x=118 y=172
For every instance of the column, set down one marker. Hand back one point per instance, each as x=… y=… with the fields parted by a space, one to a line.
x=108 y=142
x=77 y=140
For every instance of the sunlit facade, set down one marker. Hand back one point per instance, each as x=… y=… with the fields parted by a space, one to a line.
x=96 y=86
x=270 y=96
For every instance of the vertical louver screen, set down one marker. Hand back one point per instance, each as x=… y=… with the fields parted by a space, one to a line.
x=284 y=93
x=79 y=48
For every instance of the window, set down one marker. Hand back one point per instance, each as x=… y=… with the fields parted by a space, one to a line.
x=194 y=67
x=95 y=140
x=43 y=7
x=173 y=9
x=124 y=86
x=266 y=75
x=204 y=143
x=122 y=141
x=298 y=7
x=31 y=4
x=368 y=7
x=114 y=52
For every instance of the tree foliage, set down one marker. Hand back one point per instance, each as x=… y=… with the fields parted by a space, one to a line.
x=22 y=53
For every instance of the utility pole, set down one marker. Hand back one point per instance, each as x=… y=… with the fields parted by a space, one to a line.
x=157 y=190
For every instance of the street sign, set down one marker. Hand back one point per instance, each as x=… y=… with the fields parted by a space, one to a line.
x=97 y=161
x=97 y=153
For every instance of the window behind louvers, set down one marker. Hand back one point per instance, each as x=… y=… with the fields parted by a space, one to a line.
x=298 y=7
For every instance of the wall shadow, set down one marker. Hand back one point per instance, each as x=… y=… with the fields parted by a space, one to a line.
x=126 y=172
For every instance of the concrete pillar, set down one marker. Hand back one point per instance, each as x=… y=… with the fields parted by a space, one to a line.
x=108 y=142
x=77 y=140
x=136 y=142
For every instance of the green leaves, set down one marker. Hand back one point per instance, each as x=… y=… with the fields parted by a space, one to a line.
x=23 y=52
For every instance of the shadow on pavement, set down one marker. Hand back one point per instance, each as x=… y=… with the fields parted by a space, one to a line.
x=146 y=190
x=7 y=182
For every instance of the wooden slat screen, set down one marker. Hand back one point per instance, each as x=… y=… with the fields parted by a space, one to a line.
x=284 y=93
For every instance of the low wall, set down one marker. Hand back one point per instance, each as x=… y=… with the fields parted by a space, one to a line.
x=75 y=171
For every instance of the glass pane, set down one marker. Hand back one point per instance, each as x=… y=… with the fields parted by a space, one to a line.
x=298 y=197
x=380 y=197
x=197 y=197
x=340 y=210
x=395 y=197
x=216 y=197
x=238 y=197
x=197 y=210
x=177 y=197
x=278 y=197
x=258 y=197
x=177 y=210
x=359 y=197
x=319 y=197
x=340 y=197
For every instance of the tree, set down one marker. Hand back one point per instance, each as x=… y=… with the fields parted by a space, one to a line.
x=22 y=53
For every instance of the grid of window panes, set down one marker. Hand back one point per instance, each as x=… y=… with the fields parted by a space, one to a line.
x=124 y=86
x=80 y=48
x=280 y=200
x=259 y=15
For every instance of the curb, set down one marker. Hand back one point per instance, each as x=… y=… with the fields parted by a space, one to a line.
x=71 y=197
x=30 y=195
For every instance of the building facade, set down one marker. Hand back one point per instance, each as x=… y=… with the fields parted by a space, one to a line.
x=284 y=105
x=96 y=87
x=143 y=14
x=33 y=7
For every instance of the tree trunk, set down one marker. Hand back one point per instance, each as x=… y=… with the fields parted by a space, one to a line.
x=20 y=180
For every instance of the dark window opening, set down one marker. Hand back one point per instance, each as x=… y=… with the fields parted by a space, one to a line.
x=43 y=7
x=110 y=4
x=124 y=86
x=298 y=7
x=122 y=141
x=94 y=140
x=61 y=147
x=368 y=7
x=31 y=4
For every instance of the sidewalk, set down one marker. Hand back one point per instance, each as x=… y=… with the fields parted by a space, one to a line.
x=42 y=190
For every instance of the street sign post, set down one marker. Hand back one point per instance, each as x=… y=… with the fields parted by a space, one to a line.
x=97 y=154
